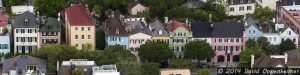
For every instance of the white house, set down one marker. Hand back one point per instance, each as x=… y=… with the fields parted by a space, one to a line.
x=25 y=32
x=21 y=9
x=283 y=32
x=136 y=7
x=239 y=7
x=105 y=70
x=267 y=3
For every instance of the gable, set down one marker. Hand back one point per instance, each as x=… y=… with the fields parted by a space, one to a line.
x=138 y=6
x=180 y=29
x=286 y=32
x=140 y=35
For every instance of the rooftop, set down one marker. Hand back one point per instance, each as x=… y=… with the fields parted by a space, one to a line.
x=78 y=62
x=105 y=68
x=31 y=18
x=79 y=15
x=22 y=61
x=292 y=7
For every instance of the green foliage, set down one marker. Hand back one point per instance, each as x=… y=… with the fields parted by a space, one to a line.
x=145 y=14
x=129 y=68
x=100 y=39
x=113 y=55
x=246 y=56
x=273 y=49
x=198 y=49
x=115 y=4
x=49 y=7
x=150 y=68
x=204 y=71
x=250 y=43
x=9 y=3
x=263 y=42
x=264 y=14
x=182 y=64
x=180 y=12
x=286 y=45
x=88 y=47
x=5 y=30
x=155 y=51
x=201 y=15
x=77 y=71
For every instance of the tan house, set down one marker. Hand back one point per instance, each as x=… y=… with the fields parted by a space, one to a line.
x=80 y=28
x=136 y=7
x=175 y=72
x=49 y=33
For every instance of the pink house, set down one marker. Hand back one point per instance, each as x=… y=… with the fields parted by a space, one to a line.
x=290 y=14
x=228 y=40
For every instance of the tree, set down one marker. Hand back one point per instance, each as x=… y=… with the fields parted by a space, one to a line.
x=250 y=43
x=219 y=13
x=286 y=45
x=181 y=64
x=263 y=42
x=201 y=15
x=5 y=30
x=100 y=40
x=77 y=71
x=198 y=49
x=155 y=51
x=273 y=49
x=150 y=68
x=180 y=12
x=264 y=14
x=88 y=47
x=204 y=71
x=157 y=7
x=129 y=68
x=49 y=7
x=145 y=14
x=246 y=56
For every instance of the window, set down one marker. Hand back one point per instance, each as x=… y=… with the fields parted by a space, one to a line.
x=29 y=31
x=82 y=28
x=237 y=40
x=231 y=1
x=82 y=36
x=89 y=28
x=54 y=33
x=249 y=8
x=44 y=41
x=249 y=1
x=220 y=40
x=82 y=46
x=17 y=30
x=241 y=8
x=76 y=36
x=241 y=1
x=231 y=8
x=231 y=40
x=76 y=45
x=237 y=48
x=295 y=14
x=76 y=28
x=89 y=36
x=290 y=32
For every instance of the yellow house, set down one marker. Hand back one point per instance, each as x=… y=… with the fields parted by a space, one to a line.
x=80 y=29
x=175 y=72
x=159 y=31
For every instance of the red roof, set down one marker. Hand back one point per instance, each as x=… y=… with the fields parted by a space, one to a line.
x=78 y=15
x=177 y=24
x=3 y=20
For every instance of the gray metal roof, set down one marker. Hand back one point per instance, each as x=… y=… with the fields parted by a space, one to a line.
x=137 y=27
x=19 y=21
x=223 y=29
x=51 y=25
x=20 y=62
x=158 y=27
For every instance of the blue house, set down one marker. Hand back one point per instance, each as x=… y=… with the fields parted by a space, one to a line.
x=115 y=33
x=253 y=32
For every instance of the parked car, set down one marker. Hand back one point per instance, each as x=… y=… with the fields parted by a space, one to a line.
x=203 y=65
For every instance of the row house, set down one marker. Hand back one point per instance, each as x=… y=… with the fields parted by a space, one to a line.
x=25 y=30
x=180 y=34
x=80 y=28
x=5 y=35
x=290 y=14
x=115 y=33
x=49 y=32
x=159 y=31
x=274 y=34
x=226 y=39
x=138 y=33
x=32 y=32
x=266 y=3
x=239 y=7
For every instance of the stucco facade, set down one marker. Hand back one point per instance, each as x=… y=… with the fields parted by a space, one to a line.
x=117 y=40
x=136 y=40
x=49 y=38
x=24 y=40
x=267 y=3
x=5 y=43
x=178 y=38
x=79 y=38
x=240 y=9
x=139 y=8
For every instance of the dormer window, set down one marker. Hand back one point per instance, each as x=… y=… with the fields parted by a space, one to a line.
x=249 y=1
x=160 y=32
x=117 y=31
x=26 y=22
x=231 y=1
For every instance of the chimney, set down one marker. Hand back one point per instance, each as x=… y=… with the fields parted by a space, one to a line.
x=187 y=21
x=58 y=18
x=252 y=61
x=57 y=65
x=285 y=58
x=210 y=18
x=166 y=19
